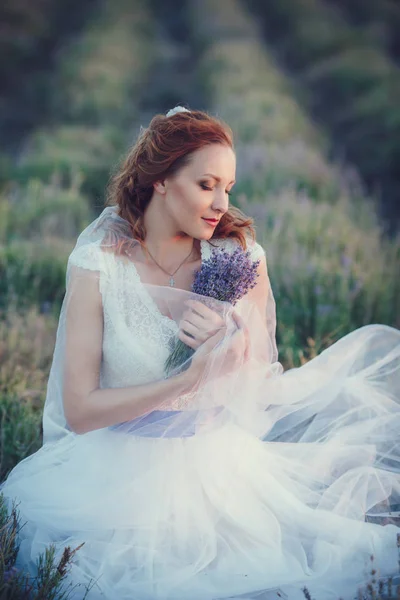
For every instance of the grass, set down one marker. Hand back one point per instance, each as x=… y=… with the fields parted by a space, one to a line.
x=94 y=100
x=331 y=267
x=348 y=82
x=26 y=348
x=50 y=579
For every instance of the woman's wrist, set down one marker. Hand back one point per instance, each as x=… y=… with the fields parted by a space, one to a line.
x=187 y=380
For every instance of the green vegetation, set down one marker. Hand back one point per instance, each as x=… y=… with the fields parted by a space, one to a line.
x=346 y=79
x=381 y=21
x=93 y=101
x=26 y=345
x=50 y=581
x=331 y=265
x=37 y=225
x=31 y=33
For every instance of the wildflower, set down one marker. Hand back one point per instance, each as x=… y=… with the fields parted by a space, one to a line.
x=324 y=309
x=9 y=574
x=224 y=276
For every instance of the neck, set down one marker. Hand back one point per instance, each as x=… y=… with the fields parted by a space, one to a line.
x=166 y=245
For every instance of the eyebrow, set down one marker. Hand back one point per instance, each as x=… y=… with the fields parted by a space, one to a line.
x=218 y=178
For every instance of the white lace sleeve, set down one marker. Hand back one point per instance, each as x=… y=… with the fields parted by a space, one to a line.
x=88 y=256
x=257 y=251
x=89 y=260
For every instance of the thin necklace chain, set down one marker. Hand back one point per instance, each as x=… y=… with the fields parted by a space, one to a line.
x=171 y=275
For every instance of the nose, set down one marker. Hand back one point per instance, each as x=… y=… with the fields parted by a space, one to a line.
x=221 y=202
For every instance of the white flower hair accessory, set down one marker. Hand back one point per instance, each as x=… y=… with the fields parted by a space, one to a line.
x=175 y=110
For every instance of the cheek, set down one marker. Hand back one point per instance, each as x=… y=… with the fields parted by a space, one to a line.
x=191 y=204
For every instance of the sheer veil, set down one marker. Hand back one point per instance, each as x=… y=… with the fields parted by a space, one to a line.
x=345 y=397
x=101 y=252
x=254 y=477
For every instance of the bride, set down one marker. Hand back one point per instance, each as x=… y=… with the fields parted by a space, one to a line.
x=226 y=477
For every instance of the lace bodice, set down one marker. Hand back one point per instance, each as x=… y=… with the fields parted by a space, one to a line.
x=137 y=337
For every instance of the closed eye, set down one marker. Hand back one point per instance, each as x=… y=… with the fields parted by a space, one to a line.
x=208 y=189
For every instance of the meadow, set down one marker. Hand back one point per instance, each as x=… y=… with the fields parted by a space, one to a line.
x=332 y=263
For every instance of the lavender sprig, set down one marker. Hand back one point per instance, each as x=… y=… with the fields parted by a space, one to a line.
x=223 y=276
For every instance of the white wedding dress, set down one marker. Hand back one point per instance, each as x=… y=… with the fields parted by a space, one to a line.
x=233 y=511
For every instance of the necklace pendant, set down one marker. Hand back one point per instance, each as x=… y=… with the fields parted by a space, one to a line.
x=172 y=282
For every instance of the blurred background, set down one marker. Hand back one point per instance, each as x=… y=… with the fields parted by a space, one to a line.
x=311 y=89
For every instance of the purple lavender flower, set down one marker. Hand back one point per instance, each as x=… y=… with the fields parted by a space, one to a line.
x=345 y=261
x=324 y=309
x=318 y=290
x=226 y=277
x=9 y=574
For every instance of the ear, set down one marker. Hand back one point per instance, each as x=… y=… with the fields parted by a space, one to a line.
x=159 y=186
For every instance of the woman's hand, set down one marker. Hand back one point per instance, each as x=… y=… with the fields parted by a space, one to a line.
x=237 y=351
x=198 y=324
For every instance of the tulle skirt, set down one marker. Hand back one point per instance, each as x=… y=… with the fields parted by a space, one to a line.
x=229 y=514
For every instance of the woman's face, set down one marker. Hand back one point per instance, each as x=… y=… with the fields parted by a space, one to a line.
x=199 y=191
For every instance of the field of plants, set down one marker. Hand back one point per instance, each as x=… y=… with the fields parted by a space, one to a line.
x=312 y=93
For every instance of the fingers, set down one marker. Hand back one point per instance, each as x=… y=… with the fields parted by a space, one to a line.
x=206 y=319
x=203 y=310
x=200 y=313
x=188 y=339
x=200 y=322
x=196 y=331
x=189 y=328
x=235 y=351
x=214 y=340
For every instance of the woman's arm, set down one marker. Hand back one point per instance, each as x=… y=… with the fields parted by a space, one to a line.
x=86 y=406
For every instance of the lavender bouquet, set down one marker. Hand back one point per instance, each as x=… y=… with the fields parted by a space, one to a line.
x=223 y=276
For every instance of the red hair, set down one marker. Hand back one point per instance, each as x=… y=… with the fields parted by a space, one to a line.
x=160 y=151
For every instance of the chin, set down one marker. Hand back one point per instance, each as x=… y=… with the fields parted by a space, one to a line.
x=204 y=232
x=205 y=235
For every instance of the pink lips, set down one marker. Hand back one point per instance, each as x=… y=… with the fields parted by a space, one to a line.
x=211 y=221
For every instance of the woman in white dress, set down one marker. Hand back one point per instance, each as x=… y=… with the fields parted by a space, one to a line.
x=229 y=477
